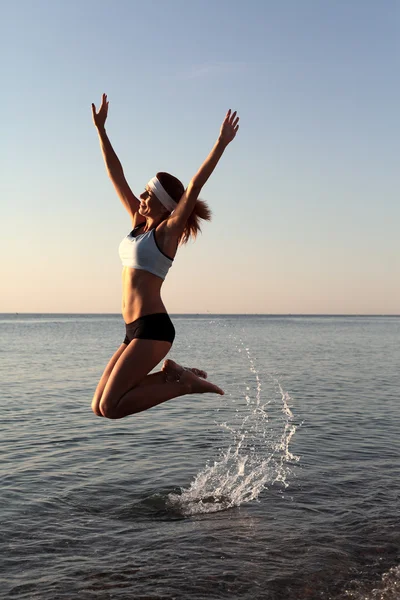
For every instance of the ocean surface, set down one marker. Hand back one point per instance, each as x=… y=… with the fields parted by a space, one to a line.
x=286 y=488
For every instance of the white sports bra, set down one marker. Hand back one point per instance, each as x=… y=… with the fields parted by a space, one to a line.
x=142 y=252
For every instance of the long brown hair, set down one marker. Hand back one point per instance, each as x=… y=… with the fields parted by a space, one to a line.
x=201 y=211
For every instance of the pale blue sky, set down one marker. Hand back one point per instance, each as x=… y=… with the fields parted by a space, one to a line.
x=305 y=200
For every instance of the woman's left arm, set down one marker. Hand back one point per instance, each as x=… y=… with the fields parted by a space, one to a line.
x=177 y=221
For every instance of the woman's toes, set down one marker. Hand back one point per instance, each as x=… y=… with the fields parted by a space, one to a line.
x=199 y=385
x=197 y=372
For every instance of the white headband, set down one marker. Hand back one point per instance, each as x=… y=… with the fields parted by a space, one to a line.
x=161 y=194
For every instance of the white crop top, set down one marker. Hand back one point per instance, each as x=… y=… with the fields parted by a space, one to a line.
x=142 y=252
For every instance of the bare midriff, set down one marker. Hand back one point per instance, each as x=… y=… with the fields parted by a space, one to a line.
x=140 y=294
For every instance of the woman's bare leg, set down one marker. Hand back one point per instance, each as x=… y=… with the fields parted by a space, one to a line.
x=126 y=393
x=151 y=393
x=104 y=378
x=170 y=370
x=153 y=378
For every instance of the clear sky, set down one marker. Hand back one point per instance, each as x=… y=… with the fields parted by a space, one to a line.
x=305 y=201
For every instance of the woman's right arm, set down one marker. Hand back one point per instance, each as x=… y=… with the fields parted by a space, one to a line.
x=113 y=165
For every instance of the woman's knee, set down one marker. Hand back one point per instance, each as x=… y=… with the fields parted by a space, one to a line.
x=109 y=409
x=97 y=398
x=96 y=406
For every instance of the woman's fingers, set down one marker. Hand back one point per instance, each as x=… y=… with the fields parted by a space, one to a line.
x=104 y=102
x=230 y=126
x=100 y=116
x=227 y=116
x=231 y=117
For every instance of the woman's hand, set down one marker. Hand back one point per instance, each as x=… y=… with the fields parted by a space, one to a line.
x=99 y=118
x=229 y=127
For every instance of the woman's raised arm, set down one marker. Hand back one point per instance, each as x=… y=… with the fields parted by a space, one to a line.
x=113 y=165
x=177 y=221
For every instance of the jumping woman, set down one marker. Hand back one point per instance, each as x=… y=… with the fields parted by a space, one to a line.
x=163 y=217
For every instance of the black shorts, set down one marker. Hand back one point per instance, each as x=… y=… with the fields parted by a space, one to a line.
x=150 y=327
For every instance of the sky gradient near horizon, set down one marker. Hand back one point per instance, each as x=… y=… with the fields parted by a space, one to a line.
x=305 y=201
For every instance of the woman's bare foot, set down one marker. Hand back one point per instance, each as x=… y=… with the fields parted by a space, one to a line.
x=198 y=385
x=173 y=371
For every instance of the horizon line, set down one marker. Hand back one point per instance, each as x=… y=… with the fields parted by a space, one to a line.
x=194 y=314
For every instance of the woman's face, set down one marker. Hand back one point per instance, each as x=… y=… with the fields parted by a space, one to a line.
x=150 y=206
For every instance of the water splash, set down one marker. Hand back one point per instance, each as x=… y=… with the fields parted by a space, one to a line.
x=257 y=453
x=387 y=589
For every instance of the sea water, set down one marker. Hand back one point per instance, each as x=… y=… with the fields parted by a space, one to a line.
x=285 y=488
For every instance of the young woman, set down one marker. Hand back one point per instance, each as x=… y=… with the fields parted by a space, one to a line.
x=165 y=216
